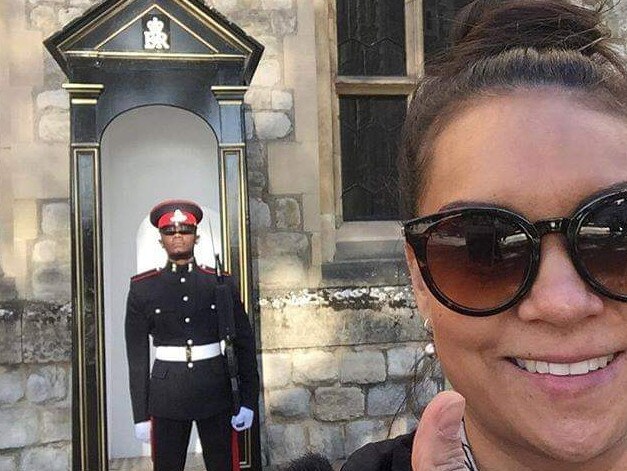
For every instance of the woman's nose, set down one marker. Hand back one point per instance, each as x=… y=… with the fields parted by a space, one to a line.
x=559 y=295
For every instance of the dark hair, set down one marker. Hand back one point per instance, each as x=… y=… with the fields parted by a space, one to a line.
x=499 y=46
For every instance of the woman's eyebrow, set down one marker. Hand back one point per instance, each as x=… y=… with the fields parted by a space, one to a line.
x=461 y=204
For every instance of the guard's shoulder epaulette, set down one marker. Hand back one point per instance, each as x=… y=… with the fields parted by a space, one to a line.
x=146 y=274
x=210 y=270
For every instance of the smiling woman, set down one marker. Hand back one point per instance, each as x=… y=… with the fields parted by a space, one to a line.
x=514 y=181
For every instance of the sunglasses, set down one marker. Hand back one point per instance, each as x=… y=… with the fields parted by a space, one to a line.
x=182 y=229
x=480 y=261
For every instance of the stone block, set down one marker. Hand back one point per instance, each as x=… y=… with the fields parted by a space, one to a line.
x=361 y=432
x=290 y=403
x=45 y=251
x=281 y=272
x=56 y=424
x=54 y=126
x=362 y=367
x=283 y=22
x=259 y=98
x=44 y=19
x=284 y=243
x=46 y=384
x=285 y=442
x=47 y=333
x=315 y=367
x=19 y=428
x=7 y=463
x=259 y=215
x=327 y=440
x=53 y=99
x=11 y=385
x=333 y=404
x=386 y=399
x=55 y=219
x=271 y=124
x=52 y=281
x=277 y=370
x=282 y=100
x=268 y=74
x=50 y=458
x=10 y=336
x=287 y=213
x=401 y=361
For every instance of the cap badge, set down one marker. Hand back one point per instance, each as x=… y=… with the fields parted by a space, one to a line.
x=178 y=217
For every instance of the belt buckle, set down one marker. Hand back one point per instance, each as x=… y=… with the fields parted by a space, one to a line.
x=188 y=353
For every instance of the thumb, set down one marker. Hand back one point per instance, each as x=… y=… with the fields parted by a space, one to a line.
x=437 y=442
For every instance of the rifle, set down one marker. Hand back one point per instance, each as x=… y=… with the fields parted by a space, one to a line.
x=227 y=332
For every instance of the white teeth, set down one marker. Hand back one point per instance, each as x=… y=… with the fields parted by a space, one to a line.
x=564 y=369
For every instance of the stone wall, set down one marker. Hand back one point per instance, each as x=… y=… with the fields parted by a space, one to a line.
x=337 y=367
x=35 y=391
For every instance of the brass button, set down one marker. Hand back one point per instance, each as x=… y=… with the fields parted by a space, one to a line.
x=187 y=320
x=190 y=342
x=183 y=280
x=213 y=307
x=185 y=298
x=157 y=311
x=190 y=365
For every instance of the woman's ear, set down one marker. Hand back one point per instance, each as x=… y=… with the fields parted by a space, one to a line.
x=420 y=289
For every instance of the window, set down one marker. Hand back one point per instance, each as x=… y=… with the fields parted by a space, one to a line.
x=379 y=47
x=371 y=50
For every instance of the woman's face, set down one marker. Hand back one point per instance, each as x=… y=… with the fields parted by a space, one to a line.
x=541 y=154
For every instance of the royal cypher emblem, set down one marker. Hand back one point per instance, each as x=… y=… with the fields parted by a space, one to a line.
x=155 y=37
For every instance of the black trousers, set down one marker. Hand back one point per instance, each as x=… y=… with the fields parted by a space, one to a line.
x=171 y=438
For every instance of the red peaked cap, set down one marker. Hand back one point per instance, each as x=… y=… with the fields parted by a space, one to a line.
x=165 y=213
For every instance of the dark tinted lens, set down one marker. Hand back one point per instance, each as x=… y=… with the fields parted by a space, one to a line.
x=478 y=261
x=183 y=229
x=602 y=245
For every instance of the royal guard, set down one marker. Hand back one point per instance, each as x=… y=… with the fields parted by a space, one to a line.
x=193 y=379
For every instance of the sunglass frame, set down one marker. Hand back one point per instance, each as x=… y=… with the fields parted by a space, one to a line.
x=417 y=231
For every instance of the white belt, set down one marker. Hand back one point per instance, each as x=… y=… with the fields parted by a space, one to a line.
x=197 y=352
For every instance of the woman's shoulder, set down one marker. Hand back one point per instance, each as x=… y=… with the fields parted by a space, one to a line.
x=387 y=455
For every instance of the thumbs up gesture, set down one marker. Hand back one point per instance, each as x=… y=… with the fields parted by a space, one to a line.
x=438 y=442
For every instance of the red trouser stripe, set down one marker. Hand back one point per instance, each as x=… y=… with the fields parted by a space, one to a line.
x=152 y=439
x=235 y=451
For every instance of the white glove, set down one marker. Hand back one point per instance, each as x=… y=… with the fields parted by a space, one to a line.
x=243 y=420
x=143 y=431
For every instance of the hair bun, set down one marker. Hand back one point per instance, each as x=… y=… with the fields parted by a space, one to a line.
x=488 y=27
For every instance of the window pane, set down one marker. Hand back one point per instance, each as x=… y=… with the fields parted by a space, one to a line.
x=438 y=16
x=371 y=37
x=370 y=131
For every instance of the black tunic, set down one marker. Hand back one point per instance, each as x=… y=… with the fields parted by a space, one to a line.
x=175 y=307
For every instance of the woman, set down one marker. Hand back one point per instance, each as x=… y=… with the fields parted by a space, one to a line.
x=519 y=135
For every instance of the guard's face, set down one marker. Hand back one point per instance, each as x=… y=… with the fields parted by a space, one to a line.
x=179 y=242
x=540 y=154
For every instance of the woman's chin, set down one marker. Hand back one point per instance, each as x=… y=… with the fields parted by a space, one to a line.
x=577 y=442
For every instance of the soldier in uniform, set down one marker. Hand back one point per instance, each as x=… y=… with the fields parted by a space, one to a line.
x=176 y=305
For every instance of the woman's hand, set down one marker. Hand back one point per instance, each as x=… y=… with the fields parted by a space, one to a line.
x=438 y=441
x=143 y=431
